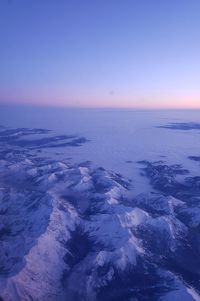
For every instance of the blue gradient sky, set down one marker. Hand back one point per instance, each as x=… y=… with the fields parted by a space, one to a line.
x=116 y=53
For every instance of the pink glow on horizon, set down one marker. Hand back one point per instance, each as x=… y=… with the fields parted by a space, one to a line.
x=152 y=102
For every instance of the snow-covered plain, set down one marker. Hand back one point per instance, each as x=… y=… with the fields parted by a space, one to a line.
x=117 y=137
x=99 y=204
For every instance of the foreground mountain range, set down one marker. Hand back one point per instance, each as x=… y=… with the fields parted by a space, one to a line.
x=73 y=232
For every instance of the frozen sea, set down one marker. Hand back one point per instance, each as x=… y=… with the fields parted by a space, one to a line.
x=118 y=138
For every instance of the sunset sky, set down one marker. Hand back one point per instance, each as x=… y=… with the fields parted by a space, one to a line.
x=100 y=53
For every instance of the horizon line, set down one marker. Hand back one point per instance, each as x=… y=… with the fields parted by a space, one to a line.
x=142 y=108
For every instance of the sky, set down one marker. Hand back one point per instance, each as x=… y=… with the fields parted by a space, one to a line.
x=100 y=53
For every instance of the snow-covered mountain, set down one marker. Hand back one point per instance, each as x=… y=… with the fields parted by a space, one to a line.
x=75 y=232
